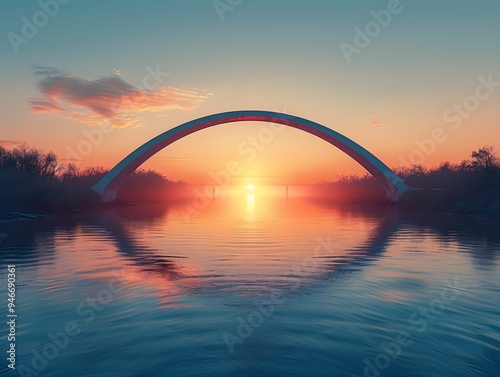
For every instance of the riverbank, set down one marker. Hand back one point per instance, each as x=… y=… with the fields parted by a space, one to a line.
x=34 y=203
x=476 y=204
x=22 y=204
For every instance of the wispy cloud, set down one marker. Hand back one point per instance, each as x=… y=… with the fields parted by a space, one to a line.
x=106 y=99
x=178 y=159
x=371 y=115
x=45 y=107
x=376 y=124
x=11 y=143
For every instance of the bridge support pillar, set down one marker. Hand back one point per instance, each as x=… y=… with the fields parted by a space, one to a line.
x=106 y=196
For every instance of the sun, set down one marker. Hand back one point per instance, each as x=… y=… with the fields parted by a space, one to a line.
x=250 y=187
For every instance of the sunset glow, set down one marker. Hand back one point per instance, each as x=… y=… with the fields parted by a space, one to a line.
x=96 y=105
x=240 y=188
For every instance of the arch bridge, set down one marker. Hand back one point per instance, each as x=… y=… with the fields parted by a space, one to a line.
x=394 y=186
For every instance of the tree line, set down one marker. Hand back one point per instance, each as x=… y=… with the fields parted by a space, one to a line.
x=479 y=172
x=25 y=166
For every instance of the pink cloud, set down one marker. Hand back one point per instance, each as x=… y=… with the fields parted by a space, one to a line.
x=11 y=143
x=107 y=99
x=376 y=124
x=45 y=107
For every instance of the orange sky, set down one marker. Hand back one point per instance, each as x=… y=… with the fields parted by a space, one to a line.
x=413 y=82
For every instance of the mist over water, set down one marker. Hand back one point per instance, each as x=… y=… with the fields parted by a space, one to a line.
x=256 y=285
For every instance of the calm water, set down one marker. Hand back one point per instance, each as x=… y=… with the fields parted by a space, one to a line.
x=254 y=286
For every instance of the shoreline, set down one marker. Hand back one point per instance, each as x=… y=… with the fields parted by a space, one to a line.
x=26 y=204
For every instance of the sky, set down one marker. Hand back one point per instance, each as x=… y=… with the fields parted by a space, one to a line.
x=411 y=81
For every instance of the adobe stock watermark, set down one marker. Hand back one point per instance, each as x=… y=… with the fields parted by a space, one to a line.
x=223 y=6
x=245 y=327
x=31 y=26
x=220 y=180
x=93 y=137
x=363 y=37
x=419 y=322
x=455 y=115
x=87 y=311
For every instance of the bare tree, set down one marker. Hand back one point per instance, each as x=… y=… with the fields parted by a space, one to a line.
x=485 y=158
x=29 y=161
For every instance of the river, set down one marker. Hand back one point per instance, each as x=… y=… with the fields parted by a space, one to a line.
x=251 y=285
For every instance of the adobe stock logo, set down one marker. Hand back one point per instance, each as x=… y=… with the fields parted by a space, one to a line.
x=87 y=310
x=419 y=321
x=265 y=308
x=220 y=180
x=455 y=115
x=31 y=27
x=224 y=6
x=93 y=137
x=363 y=37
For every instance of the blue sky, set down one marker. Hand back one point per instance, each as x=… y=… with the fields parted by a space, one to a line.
x=269 y=55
